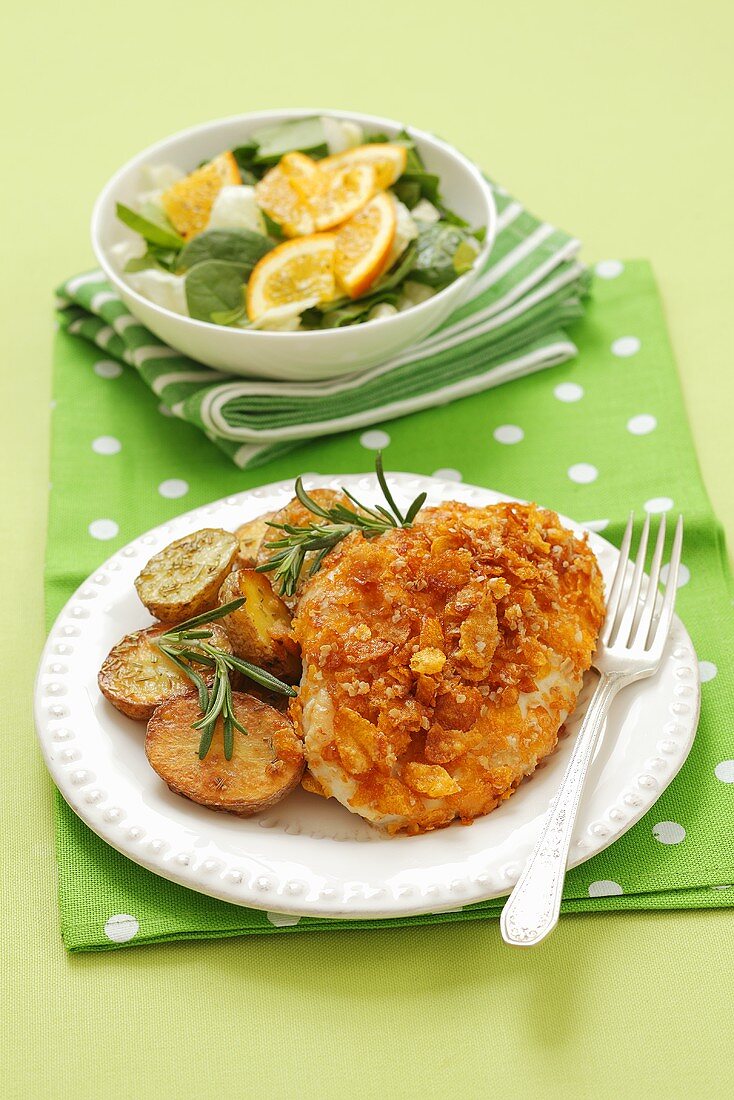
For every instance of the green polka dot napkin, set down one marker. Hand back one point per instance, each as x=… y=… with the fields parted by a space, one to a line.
x=593 y=438
x=511 y=324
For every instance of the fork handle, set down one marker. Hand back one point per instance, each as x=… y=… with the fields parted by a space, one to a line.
x=532 y=909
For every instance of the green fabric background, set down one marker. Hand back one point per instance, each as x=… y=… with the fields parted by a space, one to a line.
x=96 y=884
x=611 y=120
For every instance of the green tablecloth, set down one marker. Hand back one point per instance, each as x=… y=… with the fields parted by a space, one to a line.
x=611 y=119
x=592 y=438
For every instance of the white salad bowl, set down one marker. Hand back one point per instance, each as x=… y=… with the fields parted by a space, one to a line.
x=300 y=355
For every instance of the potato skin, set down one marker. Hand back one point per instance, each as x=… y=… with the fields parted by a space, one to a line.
x=260 y=630
x=136 y=677
x=266 y=765
x=250 y=536
x=184 y=578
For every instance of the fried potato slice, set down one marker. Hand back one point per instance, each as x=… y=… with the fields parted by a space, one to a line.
x=136 y=677
x=251 y=536
x=184 y=578
x=266 y=765
x=260 y=630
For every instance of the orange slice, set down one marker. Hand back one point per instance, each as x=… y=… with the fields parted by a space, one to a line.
x=295 y=271
x=363 y=245
x=188 y=203
x=285 y=191
x=388 y=161
x=343 y=193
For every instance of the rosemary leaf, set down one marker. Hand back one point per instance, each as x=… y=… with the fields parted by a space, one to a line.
x=382 y=480
x=206 y=617
x=260 y=676
x=288 y=559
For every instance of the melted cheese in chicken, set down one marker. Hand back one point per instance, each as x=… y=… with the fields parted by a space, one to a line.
x=441 y=661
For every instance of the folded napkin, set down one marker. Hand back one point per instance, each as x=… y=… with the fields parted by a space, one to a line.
x=593 y=438
x=512 y=324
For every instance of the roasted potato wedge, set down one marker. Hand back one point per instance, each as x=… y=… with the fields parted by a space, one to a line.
x=250 y=537
x=184 y=578
x=260 y=630
x=297 y=514
x=136 y=677
x=266 y=764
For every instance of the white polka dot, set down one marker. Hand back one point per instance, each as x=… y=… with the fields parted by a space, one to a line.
x=375 y=440
x=107 y=368
x=282 y=920
x=642 y=424
x=121 y=928
x=625 y=346
x=725 y=771
x=609 y=269
x=103 y=529
x=164 y=410
x=52 y=404
x=173 y=488
x=605 y=888
x=447 y=474
x=508 y=433
x=707 y=670
x=658 y=504
x=684 y=575
x=583 y=473
x=596 y=524
x=569 y=391
x=669 y=832
x=106 y=445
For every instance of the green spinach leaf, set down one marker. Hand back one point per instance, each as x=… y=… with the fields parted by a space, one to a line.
x=214 y=286
x=274 y=230
x=152 y=231
x=357 y=310
x=437 y=247
x=303 y=135
x=240 y=246
x=154 y=256
x=229 y=316
x=408 y=191
x=245 y=157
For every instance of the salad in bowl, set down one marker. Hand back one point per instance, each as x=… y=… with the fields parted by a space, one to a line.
x=294 y=244
x=309 y=224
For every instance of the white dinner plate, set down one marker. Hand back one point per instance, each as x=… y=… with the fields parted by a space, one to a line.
x=308 y=856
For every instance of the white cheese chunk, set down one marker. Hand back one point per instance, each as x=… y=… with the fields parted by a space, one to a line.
x=383 y=309
x=341 y=135
x=405 y=231
x=235 y=207
x=425 y=211
x=160 y=287
x=285 y=318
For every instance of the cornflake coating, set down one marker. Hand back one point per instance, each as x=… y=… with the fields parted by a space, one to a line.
x=441 y=661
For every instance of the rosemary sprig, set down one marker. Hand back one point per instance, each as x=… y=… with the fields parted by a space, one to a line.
x=338 y=522
x=186 y=645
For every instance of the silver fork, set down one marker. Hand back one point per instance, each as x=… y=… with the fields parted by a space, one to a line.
x=630 y=648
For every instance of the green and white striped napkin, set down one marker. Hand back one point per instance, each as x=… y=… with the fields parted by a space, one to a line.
x=512 y=324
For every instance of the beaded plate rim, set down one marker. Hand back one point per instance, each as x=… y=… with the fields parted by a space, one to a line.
x=438 y=872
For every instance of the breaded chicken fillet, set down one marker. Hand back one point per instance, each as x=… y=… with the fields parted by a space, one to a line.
x=441 y=661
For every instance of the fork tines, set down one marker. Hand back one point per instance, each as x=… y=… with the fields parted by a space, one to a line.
x=635 y=619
